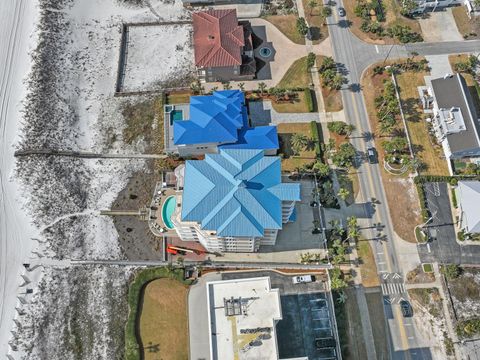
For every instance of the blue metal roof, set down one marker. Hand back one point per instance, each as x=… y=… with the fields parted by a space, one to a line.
x=261 y=137
x=222 y=118
x=237 y=192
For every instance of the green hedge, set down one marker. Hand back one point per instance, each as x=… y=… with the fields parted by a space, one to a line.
x=317 y=139
x=454 y=198
x=143 y=277
x=308 y=99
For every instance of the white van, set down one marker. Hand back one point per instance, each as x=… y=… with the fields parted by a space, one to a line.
x=302 y=279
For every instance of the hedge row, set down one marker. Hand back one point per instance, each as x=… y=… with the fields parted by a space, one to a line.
x=142 y=278
x=308 y=99
x=317 y=139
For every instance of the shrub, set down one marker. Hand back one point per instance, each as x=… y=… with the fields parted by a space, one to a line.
x=309 y=99
x=302 y=27
x=340 y=127
x=454 y=199
x=344 y=156
x=316 y=138
x=310 y=60
x=378 y=70
x=468 y=328
x=451 y=271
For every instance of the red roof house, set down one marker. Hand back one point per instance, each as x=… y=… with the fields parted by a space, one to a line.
x=223 y=46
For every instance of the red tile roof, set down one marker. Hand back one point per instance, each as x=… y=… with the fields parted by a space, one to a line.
x=218 y=38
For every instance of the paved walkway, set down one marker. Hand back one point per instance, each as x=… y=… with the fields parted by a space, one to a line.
x=314 y=69
x=263 y=113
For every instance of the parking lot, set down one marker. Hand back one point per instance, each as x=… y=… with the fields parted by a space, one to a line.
x=307 y=318
x=442 y=245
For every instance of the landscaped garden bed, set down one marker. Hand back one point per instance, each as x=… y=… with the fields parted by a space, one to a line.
x=381 y=22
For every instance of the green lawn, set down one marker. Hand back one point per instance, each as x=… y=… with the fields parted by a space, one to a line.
x=428 y=268
x=163 y=321
x=296 y=76
x=142 y=277
x=285 y=132
x=287 y=25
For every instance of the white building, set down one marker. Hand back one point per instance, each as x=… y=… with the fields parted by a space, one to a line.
x=468 y=196
x=454 y=118
x=242 y=315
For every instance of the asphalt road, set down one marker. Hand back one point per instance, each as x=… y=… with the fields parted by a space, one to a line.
x=354 y=56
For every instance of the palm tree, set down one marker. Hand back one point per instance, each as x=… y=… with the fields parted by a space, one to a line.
x=328 y=63
x=386 y=127
x=337 y=82
x=326 y=12
x=299 y=142
x=226 y=85
x=321 y=168
x=241 y=86
x=312 y=4
x=262 y=87
x=343 y=194
x=353 y=231
x=196 y=87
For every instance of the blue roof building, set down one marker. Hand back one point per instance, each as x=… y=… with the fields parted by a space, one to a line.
x=237 y=193
x=221 y=119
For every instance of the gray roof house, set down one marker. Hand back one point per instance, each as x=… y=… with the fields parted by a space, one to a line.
x=468 y=193
x=454 y=119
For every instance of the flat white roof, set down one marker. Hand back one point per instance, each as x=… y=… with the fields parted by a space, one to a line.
x=242 y=314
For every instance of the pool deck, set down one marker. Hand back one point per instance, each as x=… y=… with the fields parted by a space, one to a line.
x=159 y=197
x=168 y=128
x=194 y=245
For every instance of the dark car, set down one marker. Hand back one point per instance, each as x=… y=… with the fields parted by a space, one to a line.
x=372 y=155
x=341 y=11
x=406 y=308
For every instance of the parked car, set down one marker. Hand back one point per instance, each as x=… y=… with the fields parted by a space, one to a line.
x=372 y=155
x=303 y=279
x=406 y=308
x=341 y=11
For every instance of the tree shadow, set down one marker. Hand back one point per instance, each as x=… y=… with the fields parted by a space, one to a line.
x=356 y=87
x=315 y=33
x=345 y=24
x=410 y=106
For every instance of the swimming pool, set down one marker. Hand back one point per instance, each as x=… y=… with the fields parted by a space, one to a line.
x=167 y=211
x=176 y=115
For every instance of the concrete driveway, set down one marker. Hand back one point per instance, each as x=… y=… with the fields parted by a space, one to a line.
x=440 y=26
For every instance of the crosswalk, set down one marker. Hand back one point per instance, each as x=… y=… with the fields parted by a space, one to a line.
x=393 y=288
